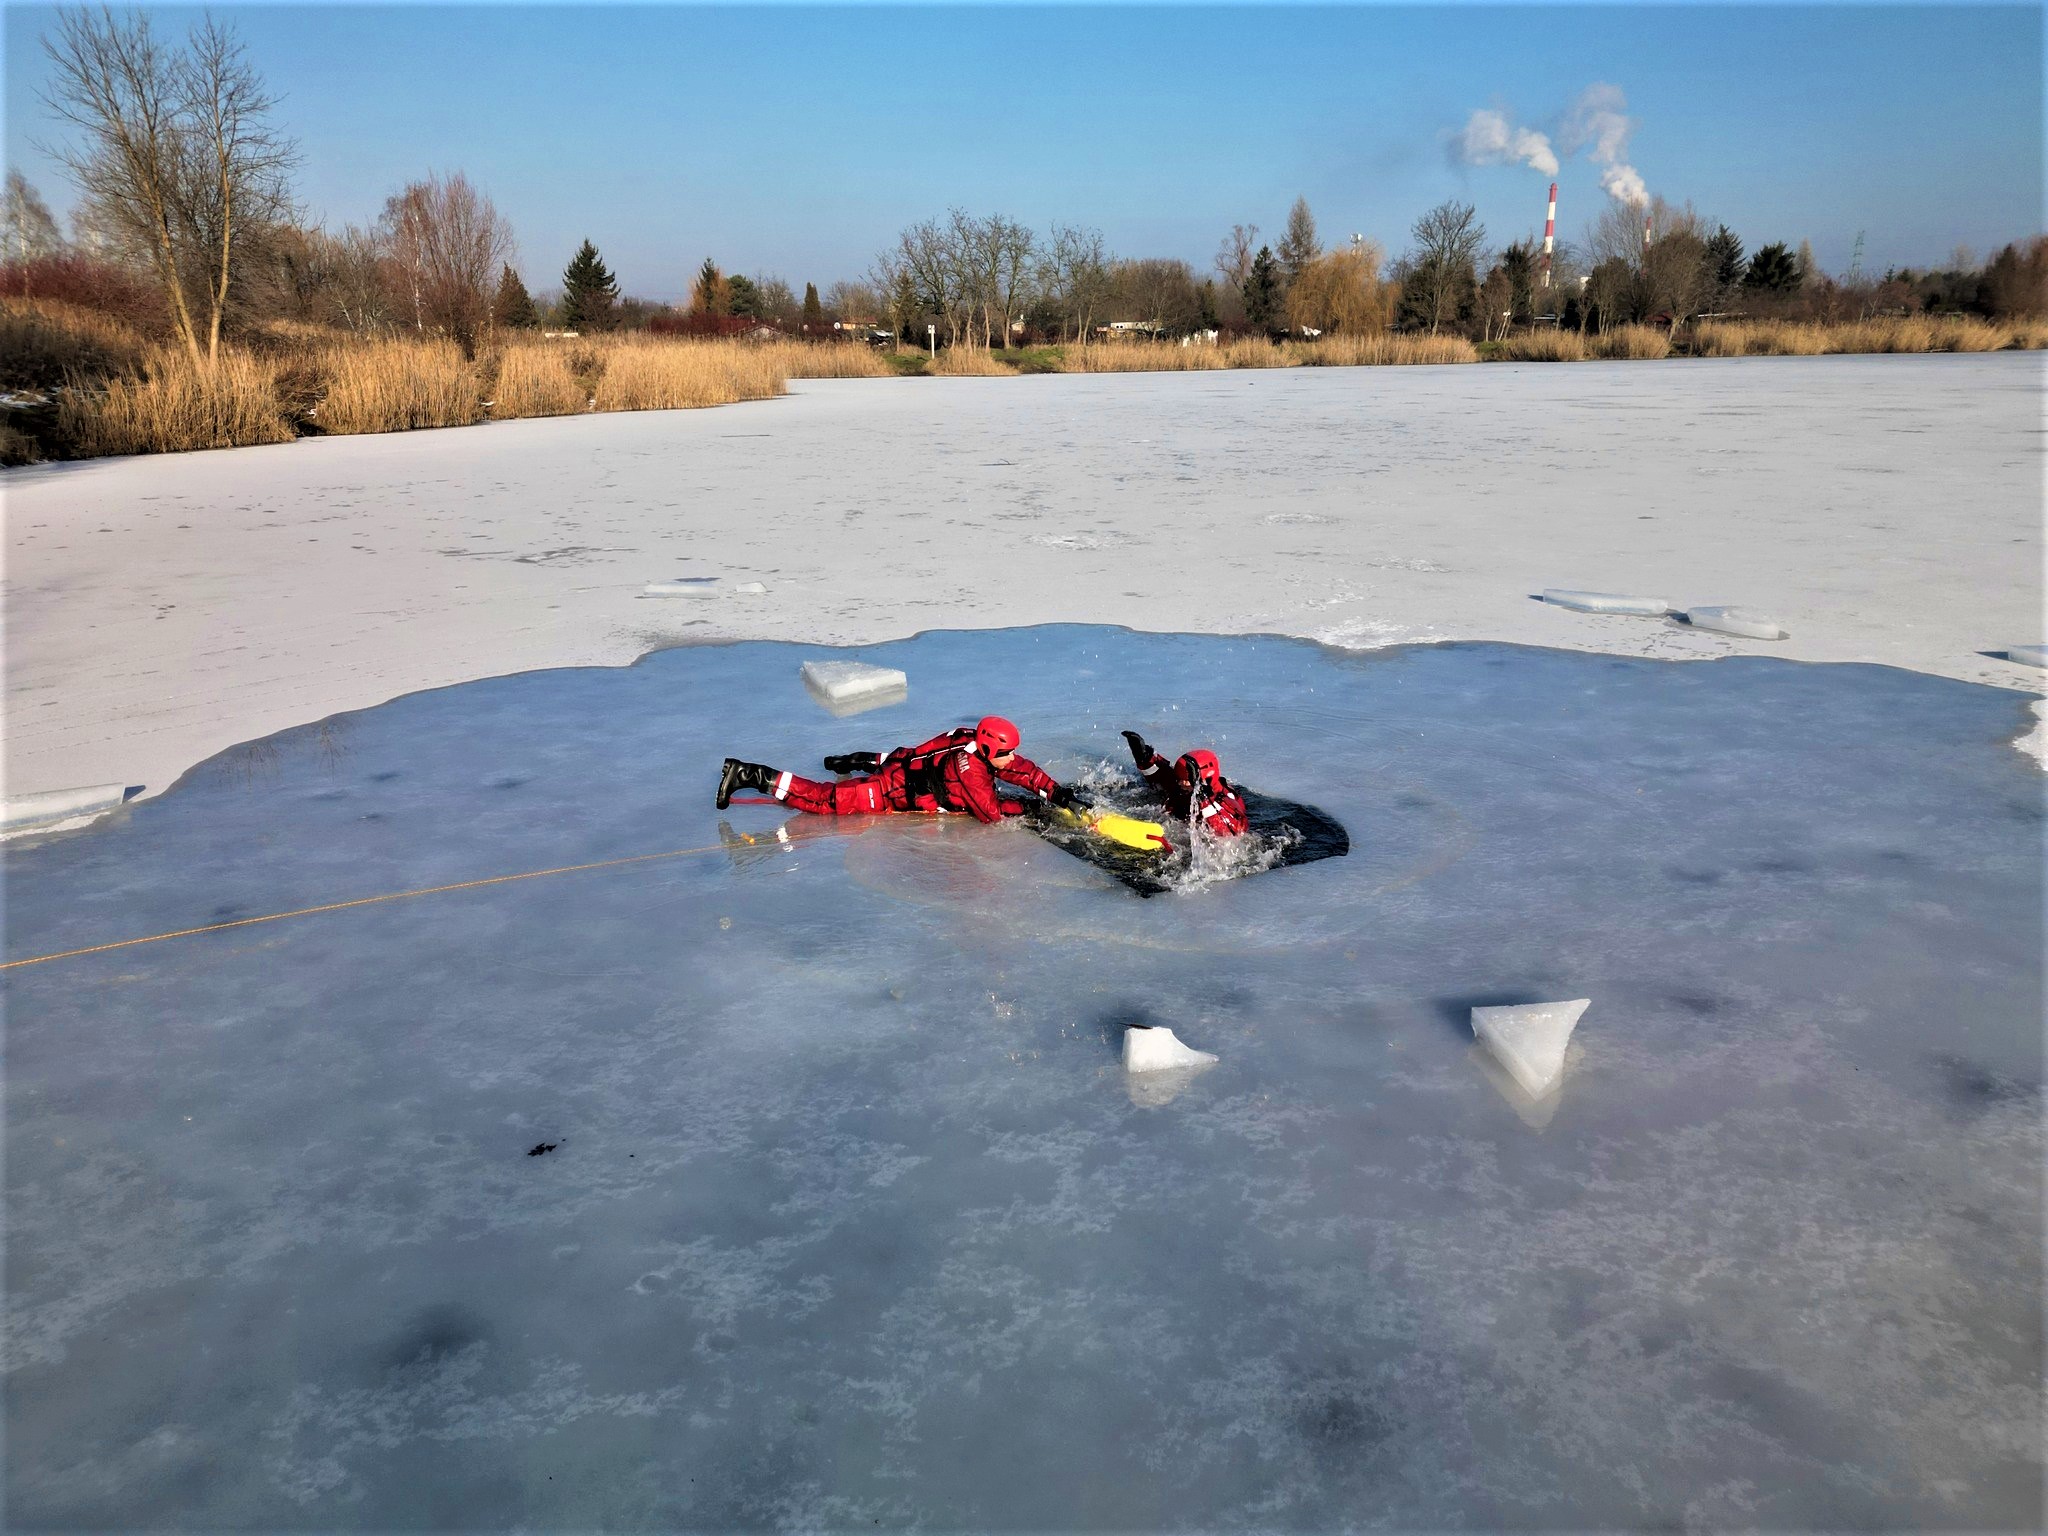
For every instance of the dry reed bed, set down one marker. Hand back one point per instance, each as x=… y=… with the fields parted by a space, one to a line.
x=174 y=406
x=650 y=374
x=1909 y=333
x=537 y=381
x=396 y=386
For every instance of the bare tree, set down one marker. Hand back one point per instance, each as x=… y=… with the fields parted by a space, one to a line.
x=1158 y=293
x=447 y=244
x=30 y=231
x=1448 y=240
x=1073 y=275
x=1617 y=234
x=178 y=161
x=1234 y=256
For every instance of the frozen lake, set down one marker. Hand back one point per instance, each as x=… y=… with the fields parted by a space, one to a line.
x=852 y=1216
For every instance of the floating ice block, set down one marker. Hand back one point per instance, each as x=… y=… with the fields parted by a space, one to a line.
x=1606 y=602
x=1746 y=622
x=1151 y=1050
x=1529 y=1039
x=853 y=687
x=688 y=586
x=51 y=805
x=2028 y=655
x=843 y=682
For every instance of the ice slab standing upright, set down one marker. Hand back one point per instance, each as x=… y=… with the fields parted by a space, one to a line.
x=1529 y=1039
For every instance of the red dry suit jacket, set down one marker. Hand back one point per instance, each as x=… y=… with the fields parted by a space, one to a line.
x=950 y=773
x=1222 y=814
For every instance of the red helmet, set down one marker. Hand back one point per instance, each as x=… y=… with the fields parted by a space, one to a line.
x=995 y=736
x=1200 y=766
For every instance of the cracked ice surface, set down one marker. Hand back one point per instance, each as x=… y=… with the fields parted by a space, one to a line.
x=851 y=1217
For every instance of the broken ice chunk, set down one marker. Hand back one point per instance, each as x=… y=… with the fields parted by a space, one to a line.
x=1606 y=602
x=2028 y=655
x=47 y=807
x=1529 y=1039
x=682 y=586
x=850 y=687
x=750 y=589
x=1746 y=622
x=1156 y=1048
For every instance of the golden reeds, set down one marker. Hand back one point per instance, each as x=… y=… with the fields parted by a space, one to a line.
x=968 y=362
x=826 y=360
x=537 y=380
x=174 y=407
x=1542 y=347
x=395 y=386
x=1383 y=350
x=1641 y=342
x=653 y=373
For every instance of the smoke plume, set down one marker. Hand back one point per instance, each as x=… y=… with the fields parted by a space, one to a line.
x=1490 y=139
x=1598 y=125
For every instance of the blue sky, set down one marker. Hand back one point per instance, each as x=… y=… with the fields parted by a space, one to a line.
x=797 y=141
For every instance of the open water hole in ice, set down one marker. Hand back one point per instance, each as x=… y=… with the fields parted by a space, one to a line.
x=852 y=1215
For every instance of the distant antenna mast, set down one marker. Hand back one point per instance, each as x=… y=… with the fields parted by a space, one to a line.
x=1549 y=233
x=1856 y=257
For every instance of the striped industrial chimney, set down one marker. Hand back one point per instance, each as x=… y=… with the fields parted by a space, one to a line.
x=1646 y=229
x=1549 y=233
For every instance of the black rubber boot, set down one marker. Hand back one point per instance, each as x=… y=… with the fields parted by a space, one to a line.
x=854 y=762
x=738 y=775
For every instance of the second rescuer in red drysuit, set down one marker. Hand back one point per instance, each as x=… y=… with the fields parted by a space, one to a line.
x=956 y=771
x=1193 y=787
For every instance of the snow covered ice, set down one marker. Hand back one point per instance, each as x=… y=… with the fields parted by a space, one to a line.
x=854 y=1216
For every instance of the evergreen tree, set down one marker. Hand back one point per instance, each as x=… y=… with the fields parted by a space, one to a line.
x=711 y=294
x=589 y=291
x=1518 y=266
x=903 y=305
x=513 y=309
x=1299 y=246
x=1262 y=291
x=1207 y=295
x=1724 y=251
x=745 y=296
x=1773 y=269
x=814 y=312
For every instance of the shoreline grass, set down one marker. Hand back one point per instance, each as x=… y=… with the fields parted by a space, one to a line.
x=95 y=386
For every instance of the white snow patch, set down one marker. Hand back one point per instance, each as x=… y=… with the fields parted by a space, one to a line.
x=2035 y=742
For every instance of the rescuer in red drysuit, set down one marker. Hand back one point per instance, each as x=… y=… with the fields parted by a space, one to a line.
x=1193 y=787
x=956 y=771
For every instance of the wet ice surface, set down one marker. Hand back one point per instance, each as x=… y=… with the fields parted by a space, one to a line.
x=853 y=1214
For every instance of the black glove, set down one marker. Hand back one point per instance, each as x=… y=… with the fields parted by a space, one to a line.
x=1065 y=797
x=1141 y=749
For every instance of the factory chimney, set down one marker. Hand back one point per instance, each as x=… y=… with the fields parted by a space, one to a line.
x=1549 y=233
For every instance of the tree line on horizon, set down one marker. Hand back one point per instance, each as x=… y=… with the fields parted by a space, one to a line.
x=186 y=225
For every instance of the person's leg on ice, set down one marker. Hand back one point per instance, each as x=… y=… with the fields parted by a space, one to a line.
x=854 y=762
x=849 y=797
